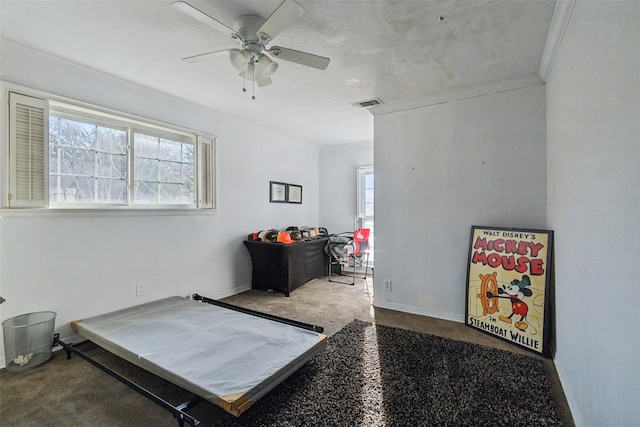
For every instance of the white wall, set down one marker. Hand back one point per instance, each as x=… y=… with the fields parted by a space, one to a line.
x=80 y=265
x=478 y=158
x=593 y=131
x=338 y=183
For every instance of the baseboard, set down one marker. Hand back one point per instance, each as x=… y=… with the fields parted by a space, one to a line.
x=578 y=419
x=227 y=292
x=418 y=310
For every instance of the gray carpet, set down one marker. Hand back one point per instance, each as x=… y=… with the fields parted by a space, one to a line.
x=381 y=376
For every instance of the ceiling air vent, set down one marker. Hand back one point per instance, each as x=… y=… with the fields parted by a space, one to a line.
x=368 y=103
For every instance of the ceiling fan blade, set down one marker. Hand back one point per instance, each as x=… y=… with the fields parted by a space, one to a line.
x=206 y=56
x=303 y=58
x=202 y=17
x=286 y=14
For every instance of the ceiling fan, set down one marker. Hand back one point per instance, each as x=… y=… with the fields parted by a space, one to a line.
x=253 y=34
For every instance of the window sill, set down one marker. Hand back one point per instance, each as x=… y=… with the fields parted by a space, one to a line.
x=102 y=212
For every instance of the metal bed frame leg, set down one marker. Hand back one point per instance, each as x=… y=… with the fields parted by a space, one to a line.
x=177 y=411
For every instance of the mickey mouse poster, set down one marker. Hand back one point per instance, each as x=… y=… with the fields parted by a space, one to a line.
x=508 y=285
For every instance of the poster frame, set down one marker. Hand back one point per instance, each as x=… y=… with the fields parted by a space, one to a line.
x=497 y=325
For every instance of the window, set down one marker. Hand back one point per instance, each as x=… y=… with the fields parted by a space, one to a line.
x=365 y=203
x=98 y=160
x=365 y=192
x=87 y=162
x=164 y=170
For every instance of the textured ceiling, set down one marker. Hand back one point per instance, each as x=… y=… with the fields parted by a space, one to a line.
x=393 y=50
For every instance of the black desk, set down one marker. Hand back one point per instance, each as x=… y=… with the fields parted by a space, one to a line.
x=283 y=268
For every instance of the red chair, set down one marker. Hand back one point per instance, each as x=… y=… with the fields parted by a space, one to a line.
x=358 y=257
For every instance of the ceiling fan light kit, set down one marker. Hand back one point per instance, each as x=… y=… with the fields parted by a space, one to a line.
x=253 y=34
x=239 y=59
x=269 y=66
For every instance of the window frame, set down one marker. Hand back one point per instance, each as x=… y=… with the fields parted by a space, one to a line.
x=76 y=110
x=363 y=220
x=361 y=217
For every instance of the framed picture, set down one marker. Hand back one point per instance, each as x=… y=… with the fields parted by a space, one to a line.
x=277 y=192
x=294 y=193
x=508 y=281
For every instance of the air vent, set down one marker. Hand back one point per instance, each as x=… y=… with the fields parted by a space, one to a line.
x=368 y=103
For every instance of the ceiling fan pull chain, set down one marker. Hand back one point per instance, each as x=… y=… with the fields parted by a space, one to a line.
x=253 y=83
x=244 y=82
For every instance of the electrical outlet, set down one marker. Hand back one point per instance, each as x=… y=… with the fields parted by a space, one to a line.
x=387 y=285
x=140 y=289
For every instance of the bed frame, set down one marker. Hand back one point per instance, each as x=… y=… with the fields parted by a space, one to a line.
x=312 y=341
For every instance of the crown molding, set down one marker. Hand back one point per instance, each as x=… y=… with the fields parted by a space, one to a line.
x=459 y=94
x=362 y=145
x=559 y=22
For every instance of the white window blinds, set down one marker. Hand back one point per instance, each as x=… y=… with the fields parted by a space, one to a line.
x=28 y=151
x=206 y=187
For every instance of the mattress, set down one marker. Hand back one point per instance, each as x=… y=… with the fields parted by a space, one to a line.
x=224 y=356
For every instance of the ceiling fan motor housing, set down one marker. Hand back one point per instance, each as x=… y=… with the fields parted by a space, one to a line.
x=247 y=27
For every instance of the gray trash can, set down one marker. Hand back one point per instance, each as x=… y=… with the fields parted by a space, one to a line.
x=28 y=340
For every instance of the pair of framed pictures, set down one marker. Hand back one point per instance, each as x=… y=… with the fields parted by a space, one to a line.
x=281 y=192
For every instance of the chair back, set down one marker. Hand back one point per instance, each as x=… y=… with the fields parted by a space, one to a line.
x=360 y=241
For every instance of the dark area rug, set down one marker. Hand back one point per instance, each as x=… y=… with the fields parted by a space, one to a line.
x=371 y=375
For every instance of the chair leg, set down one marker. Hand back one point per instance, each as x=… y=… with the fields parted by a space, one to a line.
x=353 y=282
x=366 y=265
x=333 y=262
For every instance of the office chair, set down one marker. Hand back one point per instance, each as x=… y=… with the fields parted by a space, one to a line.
x=359 y=256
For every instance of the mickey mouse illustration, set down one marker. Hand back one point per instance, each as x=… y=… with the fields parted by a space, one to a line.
x=516 y=292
